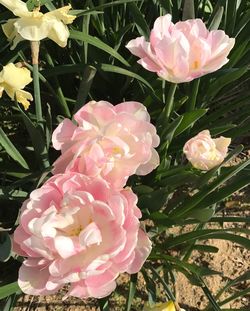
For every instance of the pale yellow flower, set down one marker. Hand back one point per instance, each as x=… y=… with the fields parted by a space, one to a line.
x=12 y=80
x=35 y=26
x=167 y=306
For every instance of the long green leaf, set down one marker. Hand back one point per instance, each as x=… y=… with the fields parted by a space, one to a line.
x=139 y=20
x=122 y=71
x=188 y=119
x=197 y=198
x=77 y=35
x=226 y=79
x=85 y=85
x=11 y=149
x=208 y=234
x=8 y=290
x=131 y=292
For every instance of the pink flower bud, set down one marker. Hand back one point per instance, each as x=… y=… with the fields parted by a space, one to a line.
x=204 y=153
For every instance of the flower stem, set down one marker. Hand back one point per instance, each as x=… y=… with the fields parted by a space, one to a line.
x=192 y=101
x=170 y=100
x=36 y=83
x=38 y=104
x=163 y=118
x=60 y=96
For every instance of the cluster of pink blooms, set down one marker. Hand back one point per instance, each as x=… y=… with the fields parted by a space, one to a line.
x=82 y=226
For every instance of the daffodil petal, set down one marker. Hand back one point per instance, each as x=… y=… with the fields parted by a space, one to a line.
x=32 y=29
x=11 y=33
x=12 y=80
x=16 y=78
x=167 y=306
x=62 y=14
x=17 y=7
x=59 y=33
x=23 y=98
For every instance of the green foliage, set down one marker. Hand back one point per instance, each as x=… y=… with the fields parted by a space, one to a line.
x=96 y=65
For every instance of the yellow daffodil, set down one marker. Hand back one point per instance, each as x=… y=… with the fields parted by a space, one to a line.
x=35 y=26
x=167 y=306
x=12 y=80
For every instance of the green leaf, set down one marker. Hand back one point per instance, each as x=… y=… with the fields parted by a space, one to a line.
x=5 y=246
x=208 y=175
x=10 y=303
x=153 y=201
x=201 y=213
x=32 y=4
x=37 y=138
x=85 y=85
x=188 y=119
x=226 y=79
x=208 y=234
x=195 y=269
x=206 y=248
x=104 y=304
x=150 y=286
x=231 y=17
x=167 y=133
x=215 y=23
x=193 y=201
x=237 y=184
x=11 y=150
x=8 y=290
x=242 y=278
x=131 y=292
x=235 y=296
x=168 y=292
x=104 y=6
x=77 y=35
x=139 y=20
x=188 y=10
x=116 y=69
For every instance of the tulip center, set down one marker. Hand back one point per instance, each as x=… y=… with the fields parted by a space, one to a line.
x=116 y=150
x=75 y=231
x=196 y=65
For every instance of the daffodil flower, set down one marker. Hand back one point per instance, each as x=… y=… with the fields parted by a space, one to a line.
x=12 y=80
x=167 y=306
x=35 y=26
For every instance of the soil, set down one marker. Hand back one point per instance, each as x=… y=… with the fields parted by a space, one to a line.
x=231 y=260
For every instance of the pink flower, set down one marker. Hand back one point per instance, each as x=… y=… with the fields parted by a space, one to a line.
x=112 y=141
x=183 y=51
x=204 y=153
x=78 y=230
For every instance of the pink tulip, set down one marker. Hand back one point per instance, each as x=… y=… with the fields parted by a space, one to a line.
x=183 y=51
x=204 y=153
x=78 y=230
x=114 y=142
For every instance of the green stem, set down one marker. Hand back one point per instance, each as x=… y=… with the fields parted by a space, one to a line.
x=170 y=100
x=85 y=85
x=192 y=101
x=60 y=95
x=38 y=104
x=131 y=292
x=190 y=247
x=36 y=82
x=163 y=118
x=104 y=304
